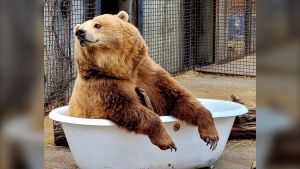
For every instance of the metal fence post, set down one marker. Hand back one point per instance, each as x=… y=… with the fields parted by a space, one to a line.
x=140 y=15
x=98 y=7
x=248 y=17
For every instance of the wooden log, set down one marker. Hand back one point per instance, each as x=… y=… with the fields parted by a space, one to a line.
x=253 y=166
x=59 y=135
x=236 y=99
x=244 y=126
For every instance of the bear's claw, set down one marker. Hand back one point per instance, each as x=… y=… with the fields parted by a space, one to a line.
x=213 y=143
x=173 y=147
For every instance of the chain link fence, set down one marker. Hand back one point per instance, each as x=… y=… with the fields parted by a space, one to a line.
x=217 y=36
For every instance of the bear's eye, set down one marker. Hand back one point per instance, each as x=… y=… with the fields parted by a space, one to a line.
x=97 y=26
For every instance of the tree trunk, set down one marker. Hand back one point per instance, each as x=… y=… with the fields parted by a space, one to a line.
x=59 y=135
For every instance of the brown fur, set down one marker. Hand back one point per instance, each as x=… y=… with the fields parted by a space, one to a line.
x=112 y=65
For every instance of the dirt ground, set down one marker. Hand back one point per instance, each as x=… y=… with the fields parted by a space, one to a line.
x=220 y=86
x=238 y=154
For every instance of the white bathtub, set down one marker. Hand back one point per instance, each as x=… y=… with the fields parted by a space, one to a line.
x=99 y=143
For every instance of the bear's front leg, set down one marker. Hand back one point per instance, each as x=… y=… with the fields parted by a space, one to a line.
x=127 y=112
x=188 y=109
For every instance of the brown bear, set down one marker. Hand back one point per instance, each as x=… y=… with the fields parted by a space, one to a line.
x=112 y=60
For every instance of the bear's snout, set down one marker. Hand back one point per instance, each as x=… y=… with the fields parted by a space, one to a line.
x=80 y=33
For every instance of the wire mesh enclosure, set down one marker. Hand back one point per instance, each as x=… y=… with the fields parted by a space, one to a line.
x=216 y=36
x=225 y=36
x=167 y=32
x=204 y=35
x=60 y=17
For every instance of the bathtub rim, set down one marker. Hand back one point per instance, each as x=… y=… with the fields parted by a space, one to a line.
x=57 y=115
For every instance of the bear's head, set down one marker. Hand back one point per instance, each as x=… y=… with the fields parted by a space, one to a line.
x=109 y=44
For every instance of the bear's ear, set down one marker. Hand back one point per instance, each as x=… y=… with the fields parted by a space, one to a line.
x=76 y=28
x=123 y=15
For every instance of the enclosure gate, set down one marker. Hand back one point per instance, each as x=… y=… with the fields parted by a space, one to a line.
x=216 y=36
